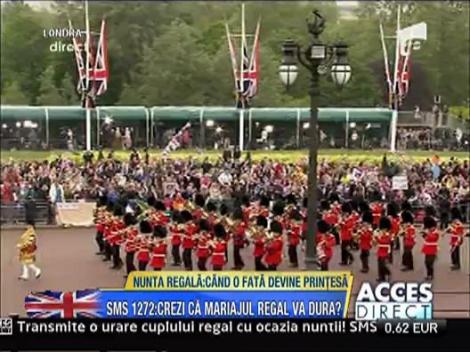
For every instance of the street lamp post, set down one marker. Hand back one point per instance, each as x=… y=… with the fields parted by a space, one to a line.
x=317 y=58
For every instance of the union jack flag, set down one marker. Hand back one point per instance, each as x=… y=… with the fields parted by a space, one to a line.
x=56 y=304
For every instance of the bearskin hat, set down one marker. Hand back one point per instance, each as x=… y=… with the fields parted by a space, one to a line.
x=101 y=201
x=406 y=206
x=186 y=215
x=429 y=222
x=354 y=205
x=278 y=208
x=237 y=214
x=31 y=222
x=392 y=209
x=264 y=201
x=385 y=223
x=407 y=217
x=323 y=226
x=109 y=206
x=129 y=219
x=325 y=205
x=334 y=197
x=199 y=200
x=175 y=216
x=118 y=210
x=151 y=201
x=211 y=206
x=305 y=202
x=219 y=231
x=455 y=214
x=367 y=217
x=430 y=211
x=262 y=221
x=276 y=227
x=364 y=207
x=346 y=208
x=145 y=226
x=291 y=199
x=204 y=225
x=246 y=201
x=295 y=215
x=159 y=205
x=223 y=209
x=159 y=231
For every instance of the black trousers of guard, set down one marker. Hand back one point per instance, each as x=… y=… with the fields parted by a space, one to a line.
x=100 y=241
x=217 y=268
x=346 y=255
x=108 y=251
x=324 y=265
x=130 y=267
x=187 y=259
x=429 y=262
x=407 y=258
x=117 y=261
x=237 y=258
x=175 y=253
x=259 y=266
x=292 y=252
x=365 y=259
x=201 y=263
x=455 y=257
x=390 y=256
x=272 y=267
x=384 y=271
x=143 y=265
x=396 y=243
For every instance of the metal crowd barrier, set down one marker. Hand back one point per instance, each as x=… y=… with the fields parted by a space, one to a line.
x=14 y=213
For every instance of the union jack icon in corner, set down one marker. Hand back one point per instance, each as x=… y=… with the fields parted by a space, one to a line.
x=56 y=304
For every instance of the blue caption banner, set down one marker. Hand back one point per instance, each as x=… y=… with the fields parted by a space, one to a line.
x=223 y=304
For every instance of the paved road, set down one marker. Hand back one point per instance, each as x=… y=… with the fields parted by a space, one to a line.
x=67 y=259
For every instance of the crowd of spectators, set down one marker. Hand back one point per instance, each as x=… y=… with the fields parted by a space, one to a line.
x=228 y=179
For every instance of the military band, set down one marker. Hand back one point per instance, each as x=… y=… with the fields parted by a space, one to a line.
x=274 y=230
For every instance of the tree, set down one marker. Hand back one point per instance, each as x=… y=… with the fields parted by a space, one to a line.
x=68 y=90
x=49 y=94
x=12 y=94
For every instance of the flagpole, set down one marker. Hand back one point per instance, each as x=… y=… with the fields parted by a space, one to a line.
x=87 y=80
x=393 y=125
x=242 y=83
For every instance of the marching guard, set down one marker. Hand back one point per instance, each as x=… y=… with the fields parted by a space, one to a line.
x=258 y=238
x=239 y=238
x=203 y=251
x=384 y=244
x=219 y=246
x=409 y=235
x=366 y=236
x=430 y=246
x=176 y=231
x=294 y=234
x=130 y=246
x=143 y=244
x=190 y=230
x=325 y=244
x=27 y=247
x=456 y=238
x=274 y=246
x=347 y=226
x=159 y=248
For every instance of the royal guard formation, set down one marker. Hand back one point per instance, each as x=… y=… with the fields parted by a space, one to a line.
x=155 y=236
